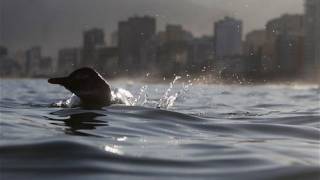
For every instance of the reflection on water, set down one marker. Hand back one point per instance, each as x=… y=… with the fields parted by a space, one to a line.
x=79 y=121
x=213 y=132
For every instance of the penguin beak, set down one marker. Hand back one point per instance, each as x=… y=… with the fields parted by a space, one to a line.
x=60 y=81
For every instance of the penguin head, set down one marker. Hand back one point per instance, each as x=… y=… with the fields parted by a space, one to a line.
x=88 y=85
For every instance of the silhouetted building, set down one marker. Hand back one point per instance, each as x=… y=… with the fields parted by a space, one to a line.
x=115 y=39
x=231 y=67
x=8 y=66
x=45 y=67
x=168 y=52
x=92 y=40
x=201 y=54
x=293 y=24
x=149 y=54
x=252 y=49
x=68 y=60
x=133 y=34
x=20 y=58
x=228 y=46
x=36 y=64
x=172 y=57
x=254 y=41
x=3 y=51
x=312 y=39
x=33 y=58
x=228 y=37
x=108 y=58
x=176 y=33
x=290 y=54
x=284 y=36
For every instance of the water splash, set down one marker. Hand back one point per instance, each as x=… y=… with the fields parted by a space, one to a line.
x=180 y=94
x=123 y=96
x=70 y=102
x=142 y=97
x=118 y=96
x=167 y=100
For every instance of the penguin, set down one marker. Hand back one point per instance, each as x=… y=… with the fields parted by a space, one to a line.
x=87 y=84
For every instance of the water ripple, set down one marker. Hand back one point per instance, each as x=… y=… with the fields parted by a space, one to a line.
x=213 y=132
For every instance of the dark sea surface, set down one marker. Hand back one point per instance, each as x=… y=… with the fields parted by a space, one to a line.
x=210 y=132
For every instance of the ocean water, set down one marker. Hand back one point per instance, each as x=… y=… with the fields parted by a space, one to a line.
x=200 y=132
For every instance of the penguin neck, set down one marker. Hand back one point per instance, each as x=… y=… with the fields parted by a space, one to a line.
x=95 y=97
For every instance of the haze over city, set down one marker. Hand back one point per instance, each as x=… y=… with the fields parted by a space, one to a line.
x=57 y=24
x=159 y=89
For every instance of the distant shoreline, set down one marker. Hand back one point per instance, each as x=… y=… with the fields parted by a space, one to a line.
x=198 y=80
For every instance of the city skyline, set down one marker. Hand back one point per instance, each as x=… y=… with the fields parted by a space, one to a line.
x=285 y=47
x=56 y=30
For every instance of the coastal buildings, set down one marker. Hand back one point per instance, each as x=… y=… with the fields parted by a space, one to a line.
x=45 y=67
x=93 y=39
x=252 y=49
x=283 y=50
x=228 y=37
x=68 y=60
x=132 y=36
x=114 y=39
x=175 y=33
x=8 y=66
x=228 y=46
x=287 y=46
x=95 y=52
x=3 y=51
x=37 y=65
x=312 y=39
x=169 y=51
x=108 y=58
x=33 y=58
x=254 y=41
x=201 y=54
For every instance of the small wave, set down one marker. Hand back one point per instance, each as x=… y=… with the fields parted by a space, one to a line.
x=65 y=159
x=269 y=134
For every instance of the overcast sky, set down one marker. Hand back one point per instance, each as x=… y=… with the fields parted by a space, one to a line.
x=54 y=24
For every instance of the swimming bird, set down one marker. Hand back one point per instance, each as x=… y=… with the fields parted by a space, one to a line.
x=87 y=84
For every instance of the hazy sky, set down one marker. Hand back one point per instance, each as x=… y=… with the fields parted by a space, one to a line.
x=54 y=24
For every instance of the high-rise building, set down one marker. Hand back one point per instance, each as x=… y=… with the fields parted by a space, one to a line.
x=114 y=39
x=176 y=33
x=292 y=24
x=228 y=37
x=168 y=52
x=36 y=64
x=282 y=52
x=289 y=53
x=92 y=40
x=8 y=66
x=312 y=39
x=108 y=61
x=252 y=49
x=33 y=58
x=20 y=57
x=133 y=34
x=45 y=67
x=68 y=60
x=253 y=42
x=201 y=52
x=3 y=51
